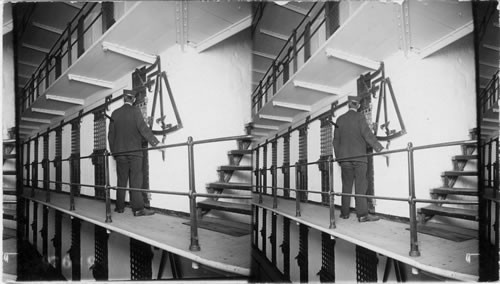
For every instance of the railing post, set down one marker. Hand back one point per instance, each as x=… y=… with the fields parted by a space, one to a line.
x=275 y=184
x=70 y=56
x=47 y=68
x=72 y=188
x=275 y=70
x=413 y=210
x=107 y=188
x=194 y=246
x=332 y=196
x=294 y=44
x=307 y=41
x=297 y=192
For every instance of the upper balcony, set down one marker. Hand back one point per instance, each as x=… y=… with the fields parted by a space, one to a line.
x=104 y=42
x=336 y=43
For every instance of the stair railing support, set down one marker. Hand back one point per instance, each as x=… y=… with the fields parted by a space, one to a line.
x=194 y=246
x=107 y=188
x=71 y=189
x=331 y=193
x=413 y=210
x=274 y=170
x=297 y=192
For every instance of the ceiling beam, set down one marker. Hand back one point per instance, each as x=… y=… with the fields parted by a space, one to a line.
x=48 y=28
x=8 y=26
x=135 y=54
x=275 y=117
x=365 y=62
x=224 y=34
x=317 y=87
x=71 y=4
x=29 y=126
x=268 y=127
x=492 y=47
x=292 y=106
x=295 y=9
x=447 y=40
x=65 y=99
x=265 y=55
x=37 y=120
x=91 y=81
x=488 y=64
x=28 y=64
x=48 y=111
x=36 y=48
x=274 y=34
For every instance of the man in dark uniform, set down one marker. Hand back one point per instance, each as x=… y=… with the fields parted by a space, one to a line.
x=126 y=130
x=351 y=137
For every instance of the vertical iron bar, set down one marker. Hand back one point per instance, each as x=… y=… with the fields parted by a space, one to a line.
x=294 y=44
x=80 y=40
x=194 y=246
x=331 y=191
x=275 y=70
x=70 y=59
x=413 y=210
x=71 y=189
x=47 y=67
x=108 y=189
x=297 y=192
x=307 y=41
x=275 y=184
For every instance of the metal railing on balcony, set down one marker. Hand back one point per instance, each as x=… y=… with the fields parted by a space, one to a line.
x=327 y=164
x=297 y=50
x=490 y=95
x=191 y=193
x=81 y=32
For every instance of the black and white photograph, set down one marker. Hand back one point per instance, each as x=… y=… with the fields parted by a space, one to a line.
x=241 y=141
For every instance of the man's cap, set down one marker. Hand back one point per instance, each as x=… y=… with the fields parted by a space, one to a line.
x=128 y=93
x=353 y=99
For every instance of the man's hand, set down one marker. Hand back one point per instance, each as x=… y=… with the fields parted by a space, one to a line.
x=161 y=145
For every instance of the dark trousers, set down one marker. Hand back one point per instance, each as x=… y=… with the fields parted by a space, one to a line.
x=354 y=172
x=129 y=169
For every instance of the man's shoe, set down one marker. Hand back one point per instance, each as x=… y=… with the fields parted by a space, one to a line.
x=344 y=216
x=368 y=218
x=119 y=210
x=143 y=212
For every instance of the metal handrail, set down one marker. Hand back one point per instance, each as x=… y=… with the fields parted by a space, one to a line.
x=490 y=94
x=191 y=194
x=34 y=82
x=257 y=94
x=412 y=200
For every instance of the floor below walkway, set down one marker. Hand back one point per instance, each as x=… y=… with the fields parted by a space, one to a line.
x=439 y=256
x=218 y=250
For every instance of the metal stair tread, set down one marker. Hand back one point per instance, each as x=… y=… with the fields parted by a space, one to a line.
x=9 y=173
x=240 y=152
x=465 y=157
x=235 y=168
x=9 y=141
x=9 y=156
x=225 y=206
x=460 y=173
x=455 y=191
x=230 y=185
x=461 y=213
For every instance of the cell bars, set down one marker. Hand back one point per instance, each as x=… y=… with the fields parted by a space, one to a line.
x=263 y=230
x=255 y=223
x=74 y=251
x=286 y=164
x=302 y=258
x=57 y=241
x=34 y=224
x=58 y=158
x=272 y=238
x=327 y=272
x=264 y=168
x=140 y=260
x=100 y=267
x=302 y=168
x=44 y=232
x=98 y=160
x=326 y=153
x=274 y=172
x=285 y=248
x=34 y=169
x=75 y=157
x=27 y=164
x=366 y=265
x=46 y=166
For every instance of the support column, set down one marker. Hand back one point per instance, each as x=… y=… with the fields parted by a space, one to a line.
x=302 y=169
x=99 y=148
x=285 y=248
x=75 y=155
x=286 y=163
x=326 y=153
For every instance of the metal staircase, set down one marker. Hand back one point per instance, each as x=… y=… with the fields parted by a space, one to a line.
x=448 y=190
x=9 y=181
x=224 y=184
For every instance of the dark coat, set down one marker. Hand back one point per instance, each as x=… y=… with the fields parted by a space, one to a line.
x=126 y=130
x=352 y=137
